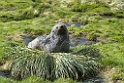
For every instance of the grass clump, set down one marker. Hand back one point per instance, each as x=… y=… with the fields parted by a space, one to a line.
x=13 y=13
x=90 y=51
x=86 y=7
x=17 y=15
x=6 y=80
x=51 y=66
x=11 y=6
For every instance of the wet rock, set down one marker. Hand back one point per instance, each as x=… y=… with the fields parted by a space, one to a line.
x=56 y=41
x=6 y=66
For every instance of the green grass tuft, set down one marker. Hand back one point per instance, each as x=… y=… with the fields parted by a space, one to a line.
x=51 y=66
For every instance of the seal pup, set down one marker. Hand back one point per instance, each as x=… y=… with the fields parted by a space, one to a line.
x=56 y=41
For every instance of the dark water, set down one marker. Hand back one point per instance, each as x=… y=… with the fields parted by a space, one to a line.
x=4 y=74
x=95 y=80
x=27 y=39
x=106 y=15
x=74 y=41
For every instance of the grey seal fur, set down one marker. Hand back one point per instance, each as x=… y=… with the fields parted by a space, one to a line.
x=56 y=41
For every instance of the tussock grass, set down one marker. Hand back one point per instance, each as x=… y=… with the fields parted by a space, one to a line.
x=90 y=51
x=51 y=66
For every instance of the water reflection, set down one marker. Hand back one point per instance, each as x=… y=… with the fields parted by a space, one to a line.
x=26 y=40
x=74 y=41
x=4 y=74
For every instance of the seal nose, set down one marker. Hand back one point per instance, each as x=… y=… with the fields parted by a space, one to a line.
x=61 y=27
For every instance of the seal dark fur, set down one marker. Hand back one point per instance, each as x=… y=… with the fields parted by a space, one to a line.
x=56 y=41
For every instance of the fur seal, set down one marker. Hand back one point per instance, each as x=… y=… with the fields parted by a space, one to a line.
x=56 y=41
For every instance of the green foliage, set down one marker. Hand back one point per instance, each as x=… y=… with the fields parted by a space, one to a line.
x=35 y=79
x=38 y=1
x=15 y=11
x=113 y=55
x=67 y=80
x=120 y=14
x=22 y=12
x=119 y=76
x=17 y=15
x=31 y=79
x=51 y=66
x=62 y=12
x=5 y=48
x=33 y=31
x=6 y=80
x=92 y=37
x=90 y=51
x=86 y=7
x=11 y=6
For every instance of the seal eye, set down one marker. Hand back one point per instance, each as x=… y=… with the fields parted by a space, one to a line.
x=57 y=27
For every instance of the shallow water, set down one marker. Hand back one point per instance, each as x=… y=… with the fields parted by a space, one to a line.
x=26 y=40
x=4 y=74
x=95 y=80
x=78 y=41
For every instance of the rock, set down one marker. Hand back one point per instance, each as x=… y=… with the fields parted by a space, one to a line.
x=56 y=41
x=6 y=66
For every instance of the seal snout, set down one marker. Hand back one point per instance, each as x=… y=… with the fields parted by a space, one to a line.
x=62 y=27
x=62 y=30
